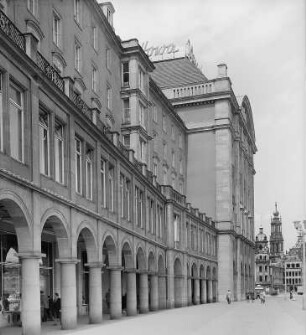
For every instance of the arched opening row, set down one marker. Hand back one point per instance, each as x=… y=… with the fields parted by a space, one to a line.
x=48 y=279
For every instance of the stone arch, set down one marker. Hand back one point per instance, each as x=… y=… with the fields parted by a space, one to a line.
x=194 y=270
x=214 y=274
x=127 y=255
x=86 y=233
x=53 y=220
x=12 y=207
x=178 y=282
x=177 y=267
x=161 y=265
x=202 y=271
x=151 y=262
x=109 y=250
x=208 y=273
x=140 y=259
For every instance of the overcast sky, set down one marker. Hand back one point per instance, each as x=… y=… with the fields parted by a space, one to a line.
x=263 y=44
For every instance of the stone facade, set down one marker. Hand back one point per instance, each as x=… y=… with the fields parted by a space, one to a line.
x=220 y=166
x=75 y=201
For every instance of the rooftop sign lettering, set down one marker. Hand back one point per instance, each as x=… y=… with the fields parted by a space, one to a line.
x=165 y=49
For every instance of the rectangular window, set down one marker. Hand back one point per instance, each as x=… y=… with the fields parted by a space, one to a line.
x=88 y=172
x=103 y=182
x=164 y=124
x=56 y=29
x=151 y=213
x=95 y=37
x=181 y=165
x=77 y=11
x=155 y=168
x=138 y=207
x=109 y=98
x=128 y=198
x=176 y=223
x=1 y=113
x=141 y=79
x=142 y=116
x=126 y=111
x=154 y=113
x=125 y=74
x=59 y=152
x=121 y=186
x=126 y=140
x=44 y=143
x=78 y=166
x=165 y=177
x=16 y=123
x=125 y=197
x=94 y=79
x=33 y=7
x=111 y=187
x=77 y=57
x=108 y=59
x=143 y=151
x=165 y=150
x=172 y=133
x=173 y=159
x=180 y=141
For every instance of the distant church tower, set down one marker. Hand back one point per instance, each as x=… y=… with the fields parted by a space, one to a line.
x=276 y=237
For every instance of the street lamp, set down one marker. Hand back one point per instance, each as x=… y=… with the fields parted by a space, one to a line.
x=301 y=228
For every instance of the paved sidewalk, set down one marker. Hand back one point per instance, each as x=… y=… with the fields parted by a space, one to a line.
x=277 y=317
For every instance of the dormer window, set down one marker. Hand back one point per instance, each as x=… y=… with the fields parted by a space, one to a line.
x=108 y=11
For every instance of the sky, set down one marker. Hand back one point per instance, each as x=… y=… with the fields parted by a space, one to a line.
x=263 y=44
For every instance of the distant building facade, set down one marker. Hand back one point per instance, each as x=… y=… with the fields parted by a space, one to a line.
x=270 y=270
x=96 y=171
x=294 y=266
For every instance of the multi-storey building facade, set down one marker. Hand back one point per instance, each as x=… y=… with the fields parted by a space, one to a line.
x=293 y=266
x=93 y=169
x=270 y=268
x=262 y=260
x=220 y=169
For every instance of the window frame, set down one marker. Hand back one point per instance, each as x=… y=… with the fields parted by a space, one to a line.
x=56 y=29
x=44 y=142
x=78 y=154
x=59 y=139
x=21 y=115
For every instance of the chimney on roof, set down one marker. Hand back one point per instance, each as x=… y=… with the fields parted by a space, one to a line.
x=108 y=10
x=222 y=70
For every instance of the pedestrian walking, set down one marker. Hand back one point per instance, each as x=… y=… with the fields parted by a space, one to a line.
x=262 y=297
x=229 y=296
x=57 y=306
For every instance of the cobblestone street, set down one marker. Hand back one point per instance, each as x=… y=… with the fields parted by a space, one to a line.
x=278 y=316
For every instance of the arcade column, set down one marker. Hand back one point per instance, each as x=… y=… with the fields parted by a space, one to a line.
x=203 y=292
x=162 y=283
x=131 y=296
x=115 y=293
x=68 y=292
x=154 y=293
x=210 y=291
x=143 y=293
x=30 y=301
x=189 y=291
x=95 y=292
x=196 y=291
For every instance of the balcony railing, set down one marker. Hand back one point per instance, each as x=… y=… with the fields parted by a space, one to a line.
x=50 y=71
x=193 y=90
x=81 y=104
x=8 y=27
x=11 y=31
